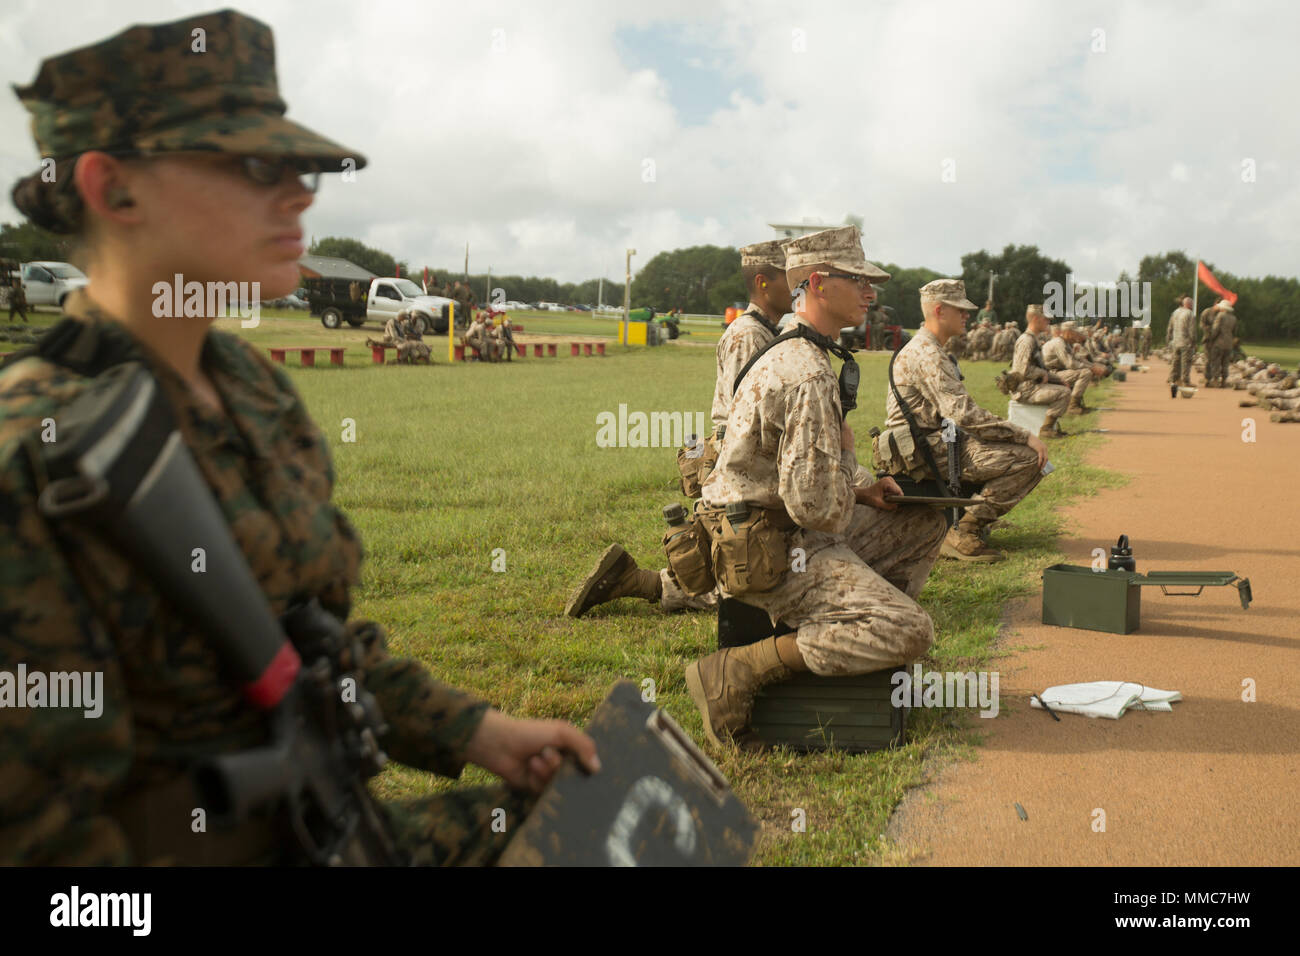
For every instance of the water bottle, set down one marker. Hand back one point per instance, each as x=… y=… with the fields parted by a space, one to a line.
x=1121 y=556
x=675 y=515
x=737 y=513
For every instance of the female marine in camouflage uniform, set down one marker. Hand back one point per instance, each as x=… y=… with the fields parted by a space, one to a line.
x=173 y=161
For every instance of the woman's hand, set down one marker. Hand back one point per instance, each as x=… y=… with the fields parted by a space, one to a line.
x=526 y=753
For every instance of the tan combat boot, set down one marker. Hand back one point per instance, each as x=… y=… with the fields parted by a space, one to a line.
x=1050 y=431
x=1078 y=408
x=723 y=685
x=615 y=576
x=965 y=543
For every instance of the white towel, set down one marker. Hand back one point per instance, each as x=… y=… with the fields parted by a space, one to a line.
x=1107 y=698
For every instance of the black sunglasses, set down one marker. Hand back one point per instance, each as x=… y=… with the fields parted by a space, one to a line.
x=260 y=169
x=862 y=281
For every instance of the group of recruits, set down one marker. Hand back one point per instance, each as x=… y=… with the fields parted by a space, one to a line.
x=405 y=330
x=787 y=449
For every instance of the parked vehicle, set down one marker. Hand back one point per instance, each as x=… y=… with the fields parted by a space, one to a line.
x=49 y=283
x=291 y=301
x=337 y=301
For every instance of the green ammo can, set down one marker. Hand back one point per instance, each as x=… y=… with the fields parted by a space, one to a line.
x=1075 y=596
x=807 y=712
x=853 y=714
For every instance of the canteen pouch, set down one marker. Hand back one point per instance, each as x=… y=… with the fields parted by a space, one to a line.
x=695 y=462
x=689 y=560
x=894 y=452
x=751 y=556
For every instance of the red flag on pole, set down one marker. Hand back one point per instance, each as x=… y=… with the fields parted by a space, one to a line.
x=1206 y=276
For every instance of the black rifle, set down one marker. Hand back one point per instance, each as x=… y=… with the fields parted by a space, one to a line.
x=121 y=467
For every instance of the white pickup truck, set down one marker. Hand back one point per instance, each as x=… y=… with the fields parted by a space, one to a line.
x=337 y=301
x=49 y=283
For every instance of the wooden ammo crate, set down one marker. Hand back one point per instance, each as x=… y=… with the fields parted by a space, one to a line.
x=853 y=714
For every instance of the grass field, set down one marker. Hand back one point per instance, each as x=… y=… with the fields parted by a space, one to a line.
x=452 y=463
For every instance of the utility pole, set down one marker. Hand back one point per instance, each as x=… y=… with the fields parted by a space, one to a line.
x=627 y=295
x=992 y=278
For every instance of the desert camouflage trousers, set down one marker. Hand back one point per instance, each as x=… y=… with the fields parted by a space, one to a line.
x=459 y=827
x=1006 y=472
x=1077 y=381
x=1057 y=397
x=1216 y=364
x=1180 y=364
x=1281 y=404
x=412 y=351
x=673 y=598
x=854 y=601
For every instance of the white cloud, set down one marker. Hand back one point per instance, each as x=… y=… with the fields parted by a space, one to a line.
x=534 y=155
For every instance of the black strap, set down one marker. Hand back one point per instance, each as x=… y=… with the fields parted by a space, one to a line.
x=764 y=321
x=848 y=374
x=919 y=437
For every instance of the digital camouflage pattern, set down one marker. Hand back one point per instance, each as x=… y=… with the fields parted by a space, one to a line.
x=742 y=340
x=401 y=331
x=996 y=455
x=1072 y=371
x=158 y=88
x=853 y=604
x=783 y=441
x=114 y=789
x=1219 y=344
x=1037 y=385
x=839 y=250
x=930 y=384
x=1182 y=342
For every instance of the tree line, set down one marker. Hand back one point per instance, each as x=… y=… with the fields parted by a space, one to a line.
x=707 y=279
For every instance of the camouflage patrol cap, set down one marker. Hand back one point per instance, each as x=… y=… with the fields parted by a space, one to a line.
x=831 y=250
x=1068 y=326
x=1033 y=310
x=764 y=255
x=169 y=87
x=948 y=291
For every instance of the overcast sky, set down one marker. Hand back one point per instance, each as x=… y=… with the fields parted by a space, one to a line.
x=553 y=136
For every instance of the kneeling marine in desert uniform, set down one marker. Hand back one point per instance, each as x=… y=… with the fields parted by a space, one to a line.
x=783 y=491
x=616 y=575
x=927 y=402
x=1030 y=382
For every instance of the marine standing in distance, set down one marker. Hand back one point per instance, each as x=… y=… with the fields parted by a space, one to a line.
x=1181 y=339
x=1219 y=344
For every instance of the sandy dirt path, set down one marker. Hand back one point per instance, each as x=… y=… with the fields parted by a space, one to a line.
x=1217 y=782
